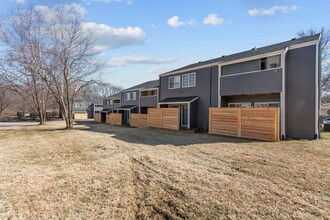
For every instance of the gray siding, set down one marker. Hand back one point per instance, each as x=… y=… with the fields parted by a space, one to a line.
x=130 y=102
x=203 y=89
x=268 y=81
x=247 y=66
x=300 y=93
x=148 y=101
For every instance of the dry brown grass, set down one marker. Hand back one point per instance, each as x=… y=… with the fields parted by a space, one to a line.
x=106 y=172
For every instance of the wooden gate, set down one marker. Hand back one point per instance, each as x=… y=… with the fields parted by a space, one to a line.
x=252 y=123
x=167 y=118
x=97 y=117
x=138 y=120
x=114 y=119
x=80 y=116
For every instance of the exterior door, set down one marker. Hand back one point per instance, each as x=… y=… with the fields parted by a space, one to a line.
x=184 y=115
x=126 y=116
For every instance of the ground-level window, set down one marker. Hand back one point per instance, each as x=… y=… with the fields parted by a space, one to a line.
x=266 y=104
x=188 y=80
x=240 y=105
x=174 y=82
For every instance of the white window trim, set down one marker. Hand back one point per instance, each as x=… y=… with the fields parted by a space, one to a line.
x=127 y=96
x=255 y=71
x=242 y=103
x=169 y=80
x=263 y=103
x=187 y=74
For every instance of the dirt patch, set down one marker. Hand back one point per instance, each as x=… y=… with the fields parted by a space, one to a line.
x=107 y=172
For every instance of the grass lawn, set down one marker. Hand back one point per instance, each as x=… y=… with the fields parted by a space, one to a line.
x=98 y=171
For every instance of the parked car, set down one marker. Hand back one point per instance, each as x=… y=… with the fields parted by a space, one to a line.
x=326 y=121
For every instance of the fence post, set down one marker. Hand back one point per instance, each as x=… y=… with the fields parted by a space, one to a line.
x=210 y=120
x=239 y=121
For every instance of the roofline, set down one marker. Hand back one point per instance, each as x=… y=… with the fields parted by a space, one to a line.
x=161 y=103
x=278 y=52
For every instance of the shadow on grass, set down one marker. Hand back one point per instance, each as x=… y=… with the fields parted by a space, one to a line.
x=154 y=137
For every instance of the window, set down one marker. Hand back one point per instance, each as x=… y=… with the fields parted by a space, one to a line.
x=266 y=104
x=149 y=93
x=130 y=96
x=263 y=63
x=188 y=80
x=174 y=82
x=240 y=105
x=116 y=101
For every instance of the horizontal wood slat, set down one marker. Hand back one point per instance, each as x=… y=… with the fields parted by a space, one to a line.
x=138 y=120
x=252 y=123
x=80 y=116
x=97 y=117
x=167 y=118
x=114 y=119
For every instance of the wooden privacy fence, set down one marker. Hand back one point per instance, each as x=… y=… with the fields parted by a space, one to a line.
x=167 y=118
x=252 y=123
x=97 y=117
x=138 y=120
x=80 y=116
x=114 y=119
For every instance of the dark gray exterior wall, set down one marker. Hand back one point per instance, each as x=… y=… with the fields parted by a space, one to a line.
x=148 y=101
x=300 y=92
x=130 y=102
x=268 y=81
x=114 y=106
x=204 y=89
x=247 y=66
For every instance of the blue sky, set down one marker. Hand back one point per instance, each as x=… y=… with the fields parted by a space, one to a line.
x=144 y=38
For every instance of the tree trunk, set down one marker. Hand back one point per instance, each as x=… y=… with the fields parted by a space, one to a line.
x=42 y=117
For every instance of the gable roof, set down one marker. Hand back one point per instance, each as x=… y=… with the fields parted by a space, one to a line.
x=115 y=96
x=145 y=85
x=251 y=53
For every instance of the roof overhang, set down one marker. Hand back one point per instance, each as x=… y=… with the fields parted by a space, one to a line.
x=178 y=101
x=105 y=110
x=127 y=107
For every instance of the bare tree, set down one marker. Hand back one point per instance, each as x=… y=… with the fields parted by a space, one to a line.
x=5 y=100
x=325 y=55
x=107 y=89
x=53 y=53
x=73 y=63
x=20 y=34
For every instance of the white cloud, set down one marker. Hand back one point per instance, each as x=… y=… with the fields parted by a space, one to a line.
x=129 y=2
x=213 y=19
x=125 y=60
x=20 y=2
x=272 y=10
x=175 y=22
x=107 y=37
x=73 y=7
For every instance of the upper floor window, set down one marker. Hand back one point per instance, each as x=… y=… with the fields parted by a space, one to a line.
x=174 y=82
x=116 y=101
x=270 y=62
x=188 y=80
x=130 y=96
x=149 y=93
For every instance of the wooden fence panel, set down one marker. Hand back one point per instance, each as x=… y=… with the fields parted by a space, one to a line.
x=155 y=117
x=97 y=117
x=138 y=120
x=114 y=119
x=167 y=118
x=80 y=116
x=170 y=118
x=253 y=123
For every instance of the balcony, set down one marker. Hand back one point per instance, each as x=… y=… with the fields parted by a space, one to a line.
x=148 y=101
x=266 y=81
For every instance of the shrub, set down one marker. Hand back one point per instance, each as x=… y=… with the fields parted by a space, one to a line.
x=20 y=115
x=33 y=115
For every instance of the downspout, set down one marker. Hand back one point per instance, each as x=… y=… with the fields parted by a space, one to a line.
x=283 y=95
x=317 y=90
